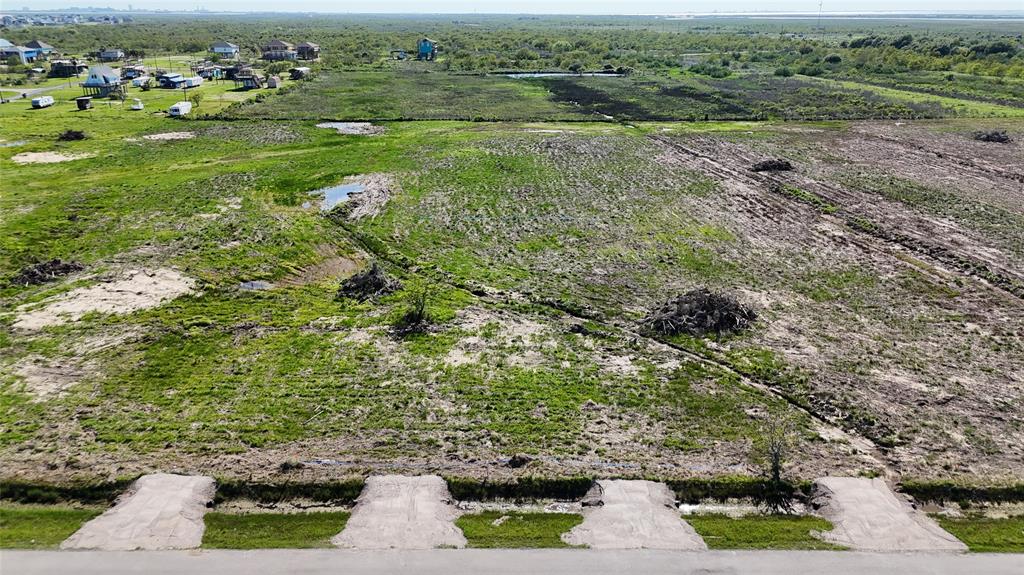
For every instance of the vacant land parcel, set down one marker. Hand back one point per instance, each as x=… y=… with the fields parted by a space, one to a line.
x=247 y=295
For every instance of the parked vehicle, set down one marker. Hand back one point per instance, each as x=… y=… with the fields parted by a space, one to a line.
x=180 y=109
x=193 y=82
x=138 y=82
x=137 y=104
x=42 y=102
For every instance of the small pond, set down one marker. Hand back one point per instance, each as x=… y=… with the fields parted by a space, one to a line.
x=255 y=285
x=336 y=194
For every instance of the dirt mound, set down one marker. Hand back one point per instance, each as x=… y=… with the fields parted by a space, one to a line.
x=43 y=272
x=699 y=312
x=139 y=290
x=774 y=165
x=367 y=284
x=377 y=189
x=71 y=136
x=170 y=136
x=353 y=128
x=46 y=157
x=997 y=136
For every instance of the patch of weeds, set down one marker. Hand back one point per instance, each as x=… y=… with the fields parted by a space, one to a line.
x=761 y=531
x=493 y=529
x=273 y=530
x=987 y=535
x=39 y=527
x=809 y=198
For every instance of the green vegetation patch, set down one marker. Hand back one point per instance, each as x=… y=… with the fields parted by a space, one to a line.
x=761 y=531
x=491 y=529
x=273 y=530
x=39 y=527
x=987 y=535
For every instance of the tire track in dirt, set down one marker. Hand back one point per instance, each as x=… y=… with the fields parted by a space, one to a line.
x=917 y=234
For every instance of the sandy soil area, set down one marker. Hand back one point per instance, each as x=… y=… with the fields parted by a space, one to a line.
x=160 y=511
x=400 y=512
x=170 y=136
x=353 y=128
x=47 y=157
x=136 y=290
x=868 y=516
x=633 y=514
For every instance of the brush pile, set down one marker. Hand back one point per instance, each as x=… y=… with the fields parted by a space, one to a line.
x=368 y=284
x=700 y=312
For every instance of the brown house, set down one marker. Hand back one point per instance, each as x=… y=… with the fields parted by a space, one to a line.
x=308 y=51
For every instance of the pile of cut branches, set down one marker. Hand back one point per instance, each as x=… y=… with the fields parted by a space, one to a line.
x=700 y=312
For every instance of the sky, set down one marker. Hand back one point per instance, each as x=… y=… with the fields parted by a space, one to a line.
x=544 y=6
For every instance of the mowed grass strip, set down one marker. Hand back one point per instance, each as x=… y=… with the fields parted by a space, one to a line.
x=38 y=526
x=273 y=530
x=488 y=529
x=988 y=535
x=761 y=531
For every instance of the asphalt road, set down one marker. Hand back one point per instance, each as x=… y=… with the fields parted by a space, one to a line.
x=518 y=562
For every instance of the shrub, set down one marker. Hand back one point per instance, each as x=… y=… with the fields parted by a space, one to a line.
x=71 y=136
x=784 y=72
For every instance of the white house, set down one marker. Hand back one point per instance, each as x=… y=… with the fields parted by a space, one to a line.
x=110 y=54
x=225 y=50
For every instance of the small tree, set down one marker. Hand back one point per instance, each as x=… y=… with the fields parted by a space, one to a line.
x=415 y=317
x=776 y=440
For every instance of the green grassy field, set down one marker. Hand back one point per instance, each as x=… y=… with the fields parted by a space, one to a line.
x=986 y=535
x=420 y=95
x=496 y=529
x=273 y=530
x=760 y=532
x=39 y=527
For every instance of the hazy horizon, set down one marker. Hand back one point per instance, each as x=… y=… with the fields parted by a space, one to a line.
x=561 y=7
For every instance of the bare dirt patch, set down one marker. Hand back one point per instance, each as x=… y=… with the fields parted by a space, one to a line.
x=633 y=515
x=332 y=265
x=170 y=136
x=353 y=128
x=377 y=189
x=159 y=511
x=133 y=291
x=868 y=516
x=400 y=512
x=47 y=157
x=43 y=377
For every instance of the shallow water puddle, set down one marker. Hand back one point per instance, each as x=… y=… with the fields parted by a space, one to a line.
x=255 y=285
x=336 y=194
x=12 y=144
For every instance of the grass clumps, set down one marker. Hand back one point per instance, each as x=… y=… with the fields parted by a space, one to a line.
x=491 y=529
x=700 y=312
x=987 y=535
x=38 y=527
x=761 y=531
x=273 y=530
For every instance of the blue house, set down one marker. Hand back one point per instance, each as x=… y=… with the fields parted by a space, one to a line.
x=102 y=81
x=43 y=48
x=175 y=81
x=426 y=49
x=23 y=54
